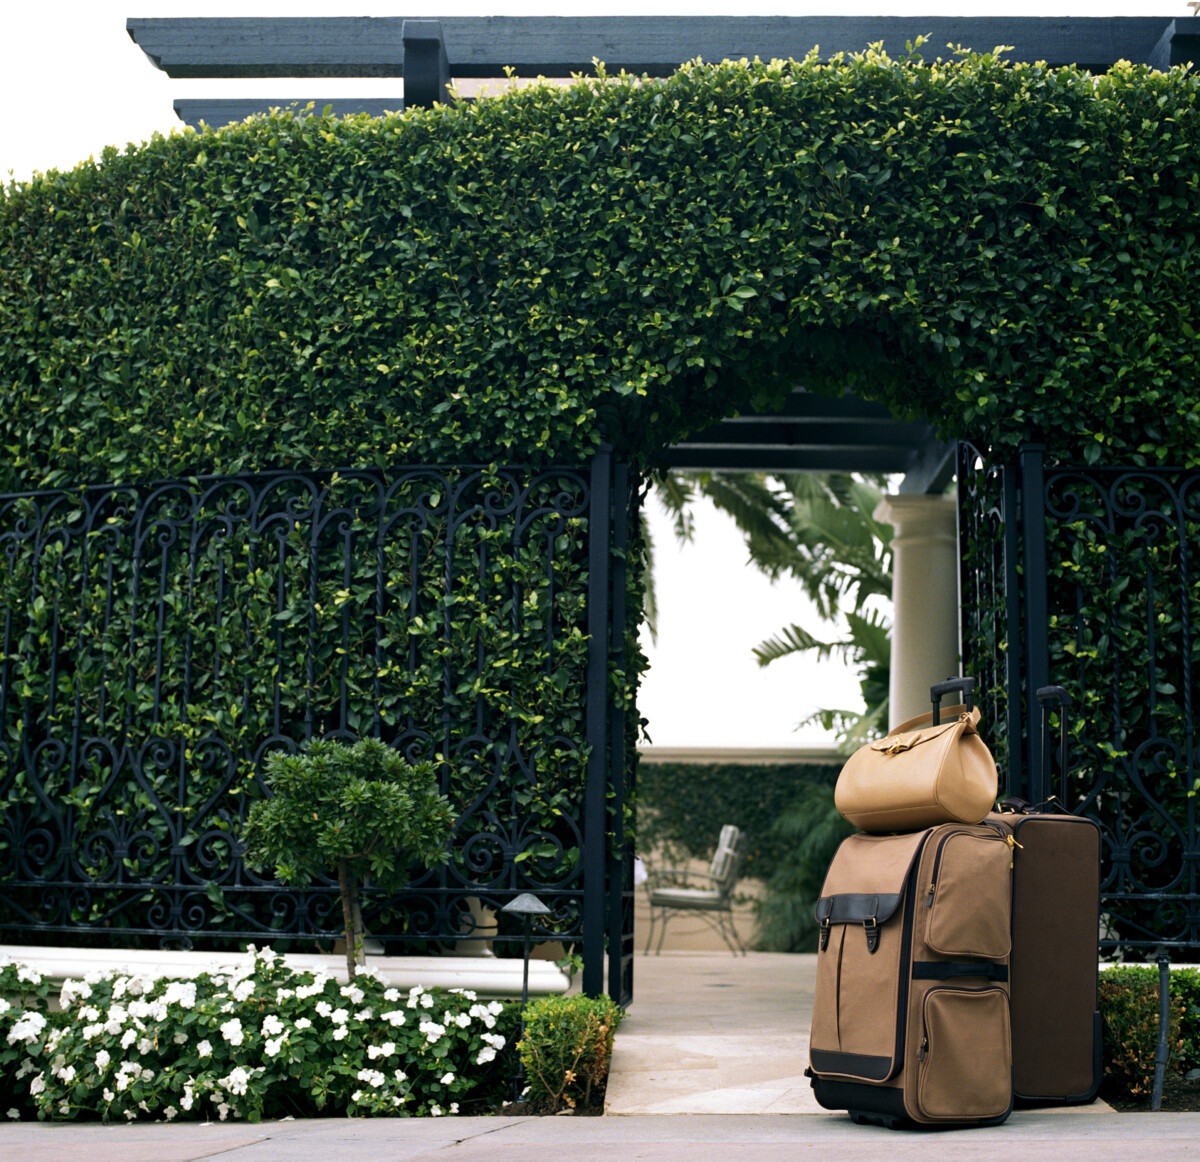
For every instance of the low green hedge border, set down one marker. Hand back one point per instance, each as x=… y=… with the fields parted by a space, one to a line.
x=1129 y=1008
x=265 y=1042
x=683 y=806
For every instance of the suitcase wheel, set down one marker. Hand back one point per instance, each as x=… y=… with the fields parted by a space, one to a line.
x=887 y=1121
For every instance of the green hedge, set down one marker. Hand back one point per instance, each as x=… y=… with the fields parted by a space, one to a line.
x=1001 y=249
x=682 y=807
x=1129 y=1005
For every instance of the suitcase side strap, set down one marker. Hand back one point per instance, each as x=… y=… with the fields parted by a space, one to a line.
x=950 y=969
x=865 y=908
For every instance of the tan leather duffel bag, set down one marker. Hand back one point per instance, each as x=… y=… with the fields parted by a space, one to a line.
x=921 y=774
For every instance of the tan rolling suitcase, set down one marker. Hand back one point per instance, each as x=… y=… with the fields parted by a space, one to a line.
x=911 y=1020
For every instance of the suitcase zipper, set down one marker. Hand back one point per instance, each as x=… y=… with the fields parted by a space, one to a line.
x=937 y=859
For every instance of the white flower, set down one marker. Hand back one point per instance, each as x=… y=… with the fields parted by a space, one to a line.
x=462 y=1020
x=204 y=1049
x=109 y=1095
x=282 y=995
x=66 y=1073
x=223 y=1110
x=231 y=1030
x=130 y=1116
x=435 y=1111
x=91 y=1031
x=189 y=1096
x=454 y=1107
x=272 y=1026
x=486 y=1054
x=495 y=1008
x=102 y=1060
x=340 y=1033
x=395 y=1017
x=27 y=1029
x=182 y=993
x=145 y=1045
x=15 y=1114
x=303 y=1023
x=400 y=1075
x=353 y=993
x=243 y=991
x=339 y=1016
x=364 y=1014
x=467 y=993
x=4 y=1006
x=28 y=975
x=496 y=1040
x=73 y=990
x=388 y=995
x=447 y=1079
x=427 y=1000
x=272 y=1047
x=180 y=1038
x=432 y=1032
x=236 y=1082
x=128 y=1037
x=324 y=1008
x=37 y=1085
x=371 y=1076
x=387 y=1049
x=170 y=1113
x=86 y=1013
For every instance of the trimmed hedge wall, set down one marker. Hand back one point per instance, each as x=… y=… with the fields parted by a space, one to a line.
x=1001 y=249
x=682 y=807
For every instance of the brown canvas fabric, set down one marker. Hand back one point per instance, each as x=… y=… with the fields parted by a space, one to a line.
x=925 y=1015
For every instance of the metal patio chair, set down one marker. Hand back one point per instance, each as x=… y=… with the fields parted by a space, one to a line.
x=670 y=894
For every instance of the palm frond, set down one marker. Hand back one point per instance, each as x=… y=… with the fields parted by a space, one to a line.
x=792 y=640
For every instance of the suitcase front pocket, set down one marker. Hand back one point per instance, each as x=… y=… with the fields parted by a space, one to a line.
x=965 y=1057
x=969 y=899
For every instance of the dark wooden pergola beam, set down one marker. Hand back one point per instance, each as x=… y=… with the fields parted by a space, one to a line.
x=362 y=46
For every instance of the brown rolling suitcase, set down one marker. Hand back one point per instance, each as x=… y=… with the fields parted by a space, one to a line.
x=1056 y=1028
x=911 y=1016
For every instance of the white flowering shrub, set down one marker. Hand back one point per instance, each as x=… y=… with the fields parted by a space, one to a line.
x=263 y=1041
x=24 y=1000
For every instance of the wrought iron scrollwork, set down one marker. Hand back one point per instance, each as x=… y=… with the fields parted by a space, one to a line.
x=160 y=641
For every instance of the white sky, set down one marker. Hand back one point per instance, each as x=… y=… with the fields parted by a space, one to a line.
x=71 y=82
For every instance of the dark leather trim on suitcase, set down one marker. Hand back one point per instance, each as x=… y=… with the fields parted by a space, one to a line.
x=857 y=907
x=854 y=1064
x=952 y=969
x=846 y=1095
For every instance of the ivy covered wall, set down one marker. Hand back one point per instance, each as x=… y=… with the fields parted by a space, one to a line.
x=1000 y=249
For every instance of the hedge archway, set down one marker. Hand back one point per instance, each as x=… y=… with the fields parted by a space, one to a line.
x=1000 y=249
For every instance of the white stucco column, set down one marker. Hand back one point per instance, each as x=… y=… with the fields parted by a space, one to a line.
x=924 y=598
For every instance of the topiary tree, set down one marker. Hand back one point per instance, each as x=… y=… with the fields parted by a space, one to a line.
x=361 y=811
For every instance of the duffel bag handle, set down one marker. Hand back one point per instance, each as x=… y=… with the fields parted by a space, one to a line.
x=951 y=686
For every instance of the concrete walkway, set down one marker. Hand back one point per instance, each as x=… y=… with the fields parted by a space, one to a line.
x=1026 y=1137
x=711 y=1033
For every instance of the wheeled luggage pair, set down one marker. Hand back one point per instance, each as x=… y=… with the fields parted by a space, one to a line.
x=957 y=966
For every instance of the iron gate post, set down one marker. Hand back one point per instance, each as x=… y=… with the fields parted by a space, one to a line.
x=1037 y=661
x=595 y=823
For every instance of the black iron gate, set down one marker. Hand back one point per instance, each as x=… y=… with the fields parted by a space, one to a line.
x=1084 y=578
x=389 y=603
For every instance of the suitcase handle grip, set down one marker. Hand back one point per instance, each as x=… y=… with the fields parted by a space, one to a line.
x=1048 y=697
x=951 y=686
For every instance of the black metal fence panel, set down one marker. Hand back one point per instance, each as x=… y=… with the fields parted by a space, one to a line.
x=1099 y=596
x=159 y=641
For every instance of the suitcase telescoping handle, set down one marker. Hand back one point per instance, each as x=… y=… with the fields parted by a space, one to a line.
x=950 y=686
x=1049 y=697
